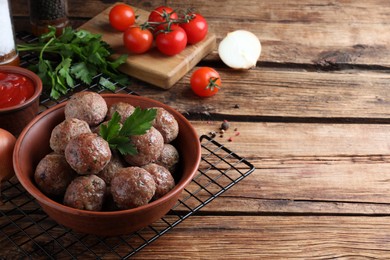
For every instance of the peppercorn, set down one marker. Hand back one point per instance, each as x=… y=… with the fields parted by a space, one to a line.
x=213 y=134
x=225 y=125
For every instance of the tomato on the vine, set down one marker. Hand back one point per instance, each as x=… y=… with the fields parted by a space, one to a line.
x=160 y=15
x=205 y=82
x=137 y=40
x=121 y=17
x=196 y=28
x=172 y=41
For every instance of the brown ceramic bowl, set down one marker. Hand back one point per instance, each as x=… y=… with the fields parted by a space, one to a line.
x=33 y=144
x=15 y=118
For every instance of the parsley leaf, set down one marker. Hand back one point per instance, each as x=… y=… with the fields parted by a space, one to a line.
x=65 y=73
x=74 y=55
x=118 y=136
x=107 y=83
x=123 y=145
x=127 y=148
x=111 y=129
x=140 y=121
x=84 y=72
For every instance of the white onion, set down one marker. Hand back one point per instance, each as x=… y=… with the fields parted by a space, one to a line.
x=7 y=143
x=240 y=49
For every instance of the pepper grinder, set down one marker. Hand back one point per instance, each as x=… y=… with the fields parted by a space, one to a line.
x=8 y=51
x=48 y=12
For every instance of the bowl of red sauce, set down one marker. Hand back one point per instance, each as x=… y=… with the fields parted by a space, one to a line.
x=20 y=90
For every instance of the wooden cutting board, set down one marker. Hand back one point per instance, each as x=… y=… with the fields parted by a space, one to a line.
x=152 y=67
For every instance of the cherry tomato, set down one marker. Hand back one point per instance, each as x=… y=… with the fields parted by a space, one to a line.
x=171 y=42
x=196 y=28
x=160 y=15
x=137 y=40
x=121 y=17
x=205 y=82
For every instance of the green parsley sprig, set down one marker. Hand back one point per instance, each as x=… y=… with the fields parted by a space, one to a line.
x=118 y=136
x=78 y=55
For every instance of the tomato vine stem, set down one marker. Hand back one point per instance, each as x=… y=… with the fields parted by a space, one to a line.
x=186 y=18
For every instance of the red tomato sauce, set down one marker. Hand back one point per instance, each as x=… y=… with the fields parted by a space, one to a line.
x=15 y=89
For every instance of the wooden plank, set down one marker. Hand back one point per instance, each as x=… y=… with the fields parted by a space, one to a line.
x=313 y=32
x=152 y=67
x=266 y=141
x=306 y=32
x=283 y=94
x=246 y=237
x=274 y=237
x=308 y=168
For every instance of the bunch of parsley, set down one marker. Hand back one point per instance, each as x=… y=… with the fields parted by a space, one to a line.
x=72 y=56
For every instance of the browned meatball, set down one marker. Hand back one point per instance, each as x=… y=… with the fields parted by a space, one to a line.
x=88 y=153
x=169 y=158
x=65 y=131
x=149 y=147
x=53 y=174
x=87 y=106
x=162 y=177
x=132 y=187
x=86 y=192
x=124 y=110
x=112 y=167
x=166 y=124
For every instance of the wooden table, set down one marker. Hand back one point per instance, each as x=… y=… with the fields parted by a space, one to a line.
x=313 y=118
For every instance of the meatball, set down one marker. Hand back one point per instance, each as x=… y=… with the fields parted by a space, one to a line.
x=124 y=110
x=169 y=158
x=132 y=187
x=149 y=147
x=53 y=174
x=166 y=124
x=65 y=131
x=87 y=106
x=88 y=153
x=112 y=167
x=162 y=177
x=86 y=192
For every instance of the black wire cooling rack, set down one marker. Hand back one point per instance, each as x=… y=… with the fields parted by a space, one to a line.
x=27 y=232
x=25 y=227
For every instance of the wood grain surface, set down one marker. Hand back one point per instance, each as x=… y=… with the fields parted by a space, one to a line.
x=275 y=237
x=313 y=117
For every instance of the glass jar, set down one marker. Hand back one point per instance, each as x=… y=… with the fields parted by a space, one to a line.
x=8 y=51
x=48 y=12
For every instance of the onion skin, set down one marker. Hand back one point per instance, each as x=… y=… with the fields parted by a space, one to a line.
x=240 y=49
x=7 y=144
